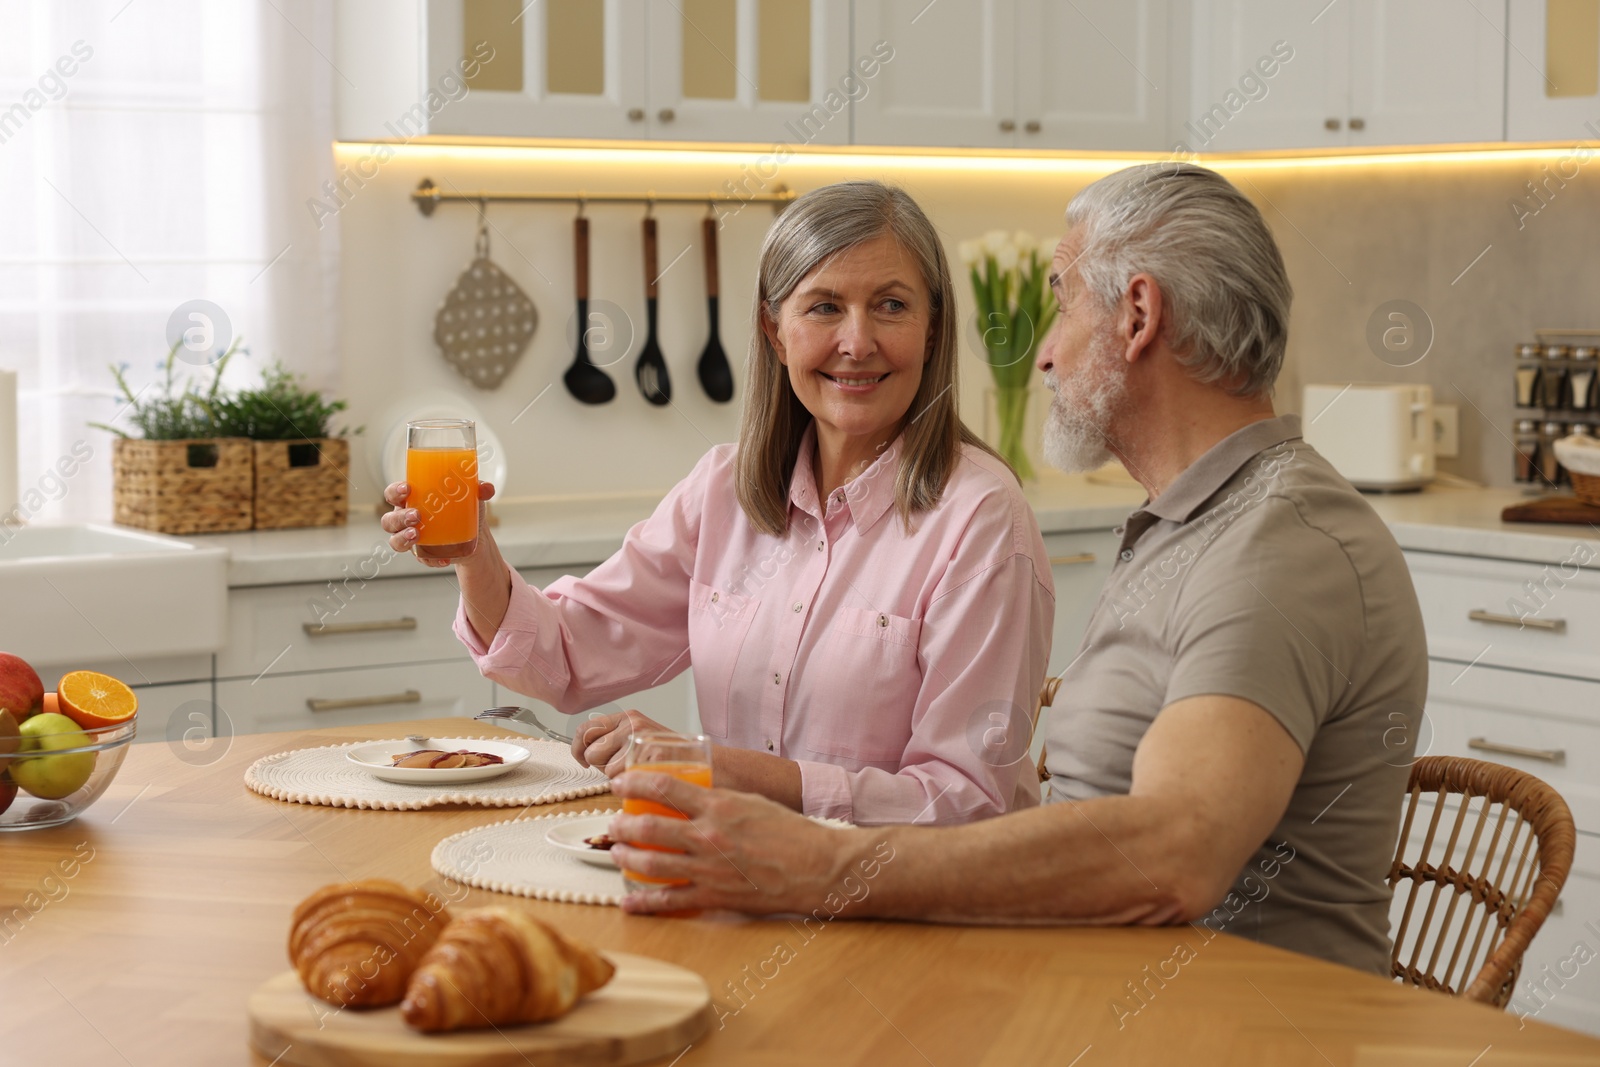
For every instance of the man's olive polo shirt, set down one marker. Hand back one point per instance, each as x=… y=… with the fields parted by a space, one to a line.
x=1261 y=574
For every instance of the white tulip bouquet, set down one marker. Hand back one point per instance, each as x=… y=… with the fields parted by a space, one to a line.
x=1015 y=310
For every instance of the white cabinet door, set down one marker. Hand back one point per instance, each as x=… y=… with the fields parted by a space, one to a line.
x=952 y=79
x=1427 y=72
x=753 y=70
x=173 y=713
x=561 y=68
x=1093 y=75
x=1552 y=86
x=348 y=698
x=1268 y=74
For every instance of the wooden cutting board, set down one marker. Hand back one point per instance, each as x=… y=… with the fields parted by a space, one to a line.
x=1564 y=509
x=650 y=1009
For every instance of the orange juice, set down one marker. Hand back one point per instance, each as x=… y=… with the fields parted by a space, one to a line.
x=693 y=773
x=444 y=490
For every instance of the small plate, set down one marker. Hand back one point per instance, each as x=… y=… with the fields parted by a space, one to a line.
x=568 y=835
x=378 y=757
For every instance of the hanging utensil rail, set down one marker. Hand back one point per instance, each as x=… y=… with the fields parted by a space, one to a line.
x=429 y=196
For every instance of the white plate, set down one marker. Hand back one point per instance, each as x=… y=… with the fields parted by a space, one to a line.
x=378 y=757
x=568 y=835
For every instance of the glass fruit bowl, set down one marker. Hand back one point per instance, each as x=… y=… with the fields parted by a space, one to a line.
x=42 y=787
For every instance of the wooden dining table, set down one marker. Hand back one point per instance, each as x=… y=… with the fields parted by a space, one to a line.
x=182 y=883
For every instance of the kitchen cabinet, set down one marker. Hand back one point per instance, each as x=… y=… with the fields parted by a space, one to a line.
x=1359 y=73
x=762 y=71
x=1553 y=73
x=1079 y=565
x=277 y=702
x=1525 y=696
x=1018 y=73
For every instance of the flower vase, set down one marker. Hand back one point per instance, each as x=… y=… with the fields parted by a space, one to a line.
x=1008 y=426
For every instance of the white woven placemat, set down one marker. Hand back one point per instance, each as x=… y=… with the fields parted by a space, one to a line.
x=324 y=776
x=513 y=857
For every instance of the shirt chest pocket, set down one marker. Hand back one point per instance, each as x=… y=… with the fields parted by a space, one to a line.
x=718 y=624
x=871 y=678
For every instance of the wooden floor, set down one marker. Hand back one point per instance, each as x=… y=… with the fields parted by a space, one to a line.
x=183 y=883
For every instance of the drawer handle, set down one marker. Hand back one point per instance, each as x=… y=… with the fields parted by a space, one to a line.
x=325 y=630
x=1549 y=755
x=1081 y=557
x=1555 y=626
x=410 y=696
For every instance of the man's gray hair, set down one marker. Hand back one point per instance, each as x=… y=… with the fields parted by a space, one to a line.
x=1209 y=249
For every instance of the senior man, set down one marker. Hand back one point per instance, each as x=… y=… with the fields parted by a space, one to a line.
x=1231 y=745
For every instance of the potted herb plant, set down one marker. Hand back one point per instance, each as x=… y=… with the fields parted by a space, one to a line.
x=184 y=474
x=301 y=464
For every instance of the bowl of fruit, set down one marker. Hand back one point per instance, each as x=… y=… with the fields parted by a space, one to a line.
x=58 y=751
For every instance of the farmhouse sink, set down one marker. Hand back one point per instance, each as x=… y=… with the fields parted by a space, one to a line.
x=88 y=593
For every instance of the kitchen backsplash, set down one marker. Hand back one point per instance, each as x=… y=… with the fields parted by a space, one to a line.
x=1466 y=241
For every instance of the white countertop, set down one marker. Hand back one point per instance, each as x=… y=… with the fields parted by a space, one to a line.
x=580 y=532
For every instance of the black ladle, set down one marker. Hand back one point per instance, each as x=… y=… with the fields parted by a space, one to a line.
x=651 y=370
x=716 y=377
x=588 y=383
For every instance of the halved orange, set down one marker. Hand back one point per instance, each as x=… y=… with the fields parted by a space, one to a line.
x=91 y=699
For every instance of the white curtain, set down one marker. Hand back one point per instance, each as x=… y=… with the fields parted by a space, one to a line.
x=154 y=152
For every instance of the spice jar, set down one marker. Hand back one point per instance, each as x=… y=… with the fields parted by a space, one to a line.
x=1550 y=472
x=1581 y=377
x=1527 y=455
x=1530 y=358
x=1553 y=376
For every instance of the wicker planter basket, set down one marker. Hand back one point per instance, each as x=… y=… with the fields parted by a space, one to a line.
x=183 y=487
x=302 y=483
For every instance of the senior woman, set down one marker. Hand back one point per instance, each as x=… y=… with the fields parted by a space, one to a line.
x=859 y=586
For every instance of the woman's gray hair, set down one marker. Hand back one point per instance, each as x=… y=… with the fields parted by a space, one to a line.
x=1209 y=249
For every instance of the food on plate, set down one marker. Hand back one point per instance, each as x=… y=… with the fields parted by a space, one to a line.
x=439 y=759
x=21 y=692
x=51 y=777
x=601 y=841
x=356 y=944
x=498 y=966
x=93 y=700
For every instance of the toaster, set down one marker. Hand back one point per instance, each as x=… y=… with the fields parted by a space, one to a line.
x=1379 y=436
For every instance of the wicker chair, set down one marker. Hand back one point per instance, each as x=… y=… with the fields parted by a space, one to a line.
x=1498 y=876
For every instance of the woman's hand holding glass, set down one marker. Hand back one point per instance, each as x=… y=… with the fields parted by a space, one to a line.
x=401 y=524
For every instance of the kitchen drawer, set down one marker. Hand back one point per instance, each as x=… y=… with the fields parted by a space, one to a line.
x=369 y=695
x=387 y=620
x=1559 y=606
x=1554 y=722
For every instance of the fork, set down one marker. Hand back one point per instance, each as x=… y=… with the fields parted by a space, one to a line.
x=524 y=715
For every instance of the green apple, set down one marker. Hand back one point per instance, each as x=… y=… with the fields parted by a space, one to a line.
x=52 y=777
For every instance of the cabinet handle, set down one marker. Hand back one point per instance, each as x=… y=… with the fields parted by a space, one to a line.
x=326 y=630
x=1330 y=124
x=1549 y=755
x=1007 y=125
x=636 y=114
x=410 y=696
x=1358 y=124
x=1032 y=126
x=1555 y=626
x=1081 y=557
x=666 y=114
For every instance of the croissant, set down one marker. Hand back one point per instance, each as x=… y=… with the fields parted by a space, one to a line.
x=500 y=965
x=355 y=944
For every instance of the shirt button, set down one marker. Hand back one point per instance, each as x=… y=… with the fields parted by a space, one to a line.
x=820 y=544
x=769 y=745
x=883 y=620
x=1125 y=555
x=777 y=679
x=713 y=598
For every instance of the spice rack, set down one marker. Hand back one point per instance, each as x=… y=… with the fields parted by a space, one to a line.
x=1557 y=393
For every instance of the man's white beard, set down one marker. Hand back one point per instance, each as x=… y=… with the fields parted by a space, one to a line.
x=1079 y=421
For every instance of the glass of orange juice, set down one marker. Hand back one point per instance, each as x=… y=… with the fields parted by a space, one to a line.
x=442 y=473
x=684 y=757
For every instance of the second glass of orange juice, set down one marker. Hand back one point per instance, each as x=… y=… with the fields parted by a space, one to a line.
x=684 y=757
x=442 y=473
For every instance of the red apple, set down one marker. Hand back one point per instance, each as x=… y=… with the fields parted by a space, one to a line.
x=21 y=692
x=10 y=739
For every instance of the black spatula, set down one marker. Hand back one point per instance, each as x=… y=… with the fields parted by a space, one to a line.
x=716 y=377
x=588 y=383
x=651 y=370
